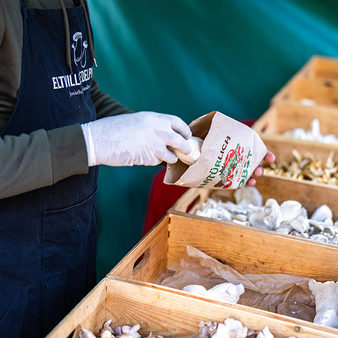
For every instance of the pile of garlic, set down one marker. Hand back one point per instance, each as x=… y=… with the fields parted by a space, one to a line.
x=306 y=167
x=288 y=218
x=231 y=328
x=107 y=331
x=313 y=134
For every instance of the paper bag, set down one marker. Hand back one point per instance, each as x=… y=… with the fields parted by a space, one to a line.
x=230 y=153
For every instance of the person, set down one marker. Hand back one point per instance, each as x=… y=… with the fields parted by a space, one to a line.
x=56 y=128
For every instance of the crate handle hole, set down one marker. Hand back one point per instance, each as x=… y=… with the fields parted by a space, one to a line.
x=141 y=261
x=264 y=128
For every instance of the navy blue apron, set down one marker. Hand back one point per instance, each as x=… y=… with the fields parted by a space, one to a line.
x=48 y=236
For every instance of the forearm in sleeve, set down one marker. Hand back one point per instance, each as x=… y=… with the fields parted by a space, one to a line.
x=40 y=159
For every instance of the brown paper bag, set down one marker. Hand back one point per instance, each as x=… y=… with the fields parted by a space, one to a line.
x=230 y=153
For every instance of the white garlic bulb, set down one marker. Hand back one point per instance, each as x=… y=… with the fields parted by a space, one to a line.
x=224 y=292
x=194 y=155
x=326 y=298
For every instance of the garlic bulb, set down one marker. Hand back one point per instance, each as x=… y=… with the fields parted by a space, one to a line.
x=83 y=333
x=265 y=333
x=288 y=218
x=313 y=134
x=322 y=213
x=194 y=155
x=231 y=328
x=247 y=196
x=326 y=298
x=224 y=292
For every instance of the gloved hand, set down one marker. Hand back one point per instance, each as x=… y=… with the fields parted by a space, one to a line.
x=135 y=139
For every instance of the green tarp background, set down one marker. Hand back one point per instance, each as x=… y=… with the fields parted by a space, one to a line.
x=189 y=57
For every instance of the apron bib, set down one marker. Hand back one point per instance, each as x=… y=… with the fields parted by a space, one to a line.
x=48 y=236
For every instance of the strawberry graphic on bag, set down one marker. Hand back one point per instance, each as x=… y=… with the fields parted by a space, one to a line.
x=231 y=161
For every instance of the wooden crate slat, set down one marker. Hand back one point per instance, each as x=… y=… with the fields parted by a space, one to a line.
x=251 y=250
x=317 y=68
x=322 y=92
x=172 y=313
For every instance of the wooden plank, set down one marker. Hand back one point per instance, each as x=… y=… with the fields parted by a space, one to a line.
x=148 y=259
x=89 y=313
x=169 y=312
x=285 y=116
x=322 y=92
x=199 y=196
x=318 y=67
x=283 y=146
x=309 y=195
x=325 y=68
x=251 y=250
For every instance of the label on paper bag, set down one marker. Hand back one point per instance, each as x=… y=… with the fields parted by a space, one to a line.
x=230 y=153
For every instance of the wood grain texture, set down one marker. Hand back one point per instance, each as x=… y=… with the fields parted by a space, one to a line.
x=317 y=68
x=251 y=250
x=322 y=92
x=199 y=196
x=285 y=116
x=310 y=196
x=324 y=68
x=154 y=247
x=171 y=312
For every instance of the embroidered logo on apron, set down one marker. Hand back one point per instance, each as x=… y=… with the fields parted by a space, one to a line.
x=79 y=49
x=78 y=79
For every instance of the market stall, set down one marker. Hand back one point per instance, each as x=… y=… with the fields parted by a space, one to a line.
x=273 y=249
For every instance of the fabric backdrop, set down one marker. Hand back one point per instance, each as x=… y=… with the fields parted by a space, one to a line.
x=189 y=57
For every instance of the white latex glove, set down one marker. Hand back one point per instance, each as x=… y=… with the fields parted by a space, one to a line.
x=135 y=139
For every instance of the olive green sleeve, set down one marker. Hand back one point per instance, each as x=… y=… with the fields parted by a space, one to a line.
x=40 y=159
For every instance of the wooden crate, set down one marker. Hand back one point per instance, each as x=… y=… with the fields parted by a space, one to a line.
x=285 y=116
x=170 y=313
x=247 y=249
x=318 y=91
x=317 y=80
x=309 y=195
x=323 y=68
